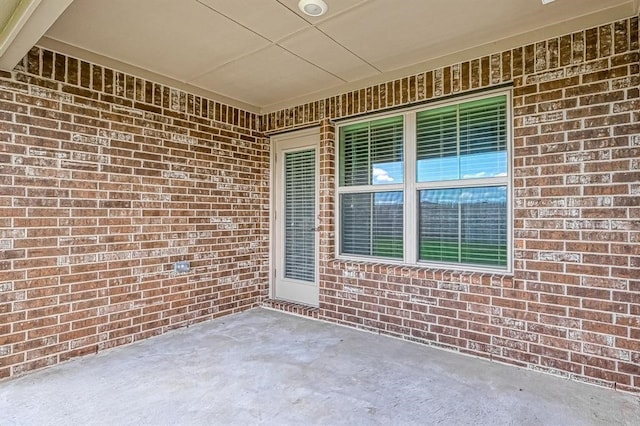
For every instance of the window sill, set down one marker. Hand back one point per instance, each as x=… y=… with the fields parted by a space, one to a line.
x=427 y=272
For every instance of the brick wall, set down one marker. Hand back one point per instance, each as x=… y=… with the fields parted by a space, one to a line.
x=572 y=305
x=105 y=181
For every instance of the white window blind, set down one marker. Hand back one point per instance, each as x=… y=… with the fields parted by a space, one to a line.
x=463 y=141
x=464 y=225
x=371 y=171
x=300 y=215
x=483 y=138
x=372 y=153
x=437 y=148
x=466 y=142
x=372 y=224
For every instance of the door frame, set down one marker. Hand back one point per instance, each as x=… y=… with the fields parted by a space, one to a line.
x=276 y=246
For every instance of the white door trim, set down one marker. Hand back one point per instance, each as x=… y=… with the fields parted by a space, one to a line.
x=297 y=140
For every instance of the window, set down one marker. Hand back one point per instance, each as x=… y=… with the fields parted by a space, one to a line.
x=448 y=203
x=372 y=168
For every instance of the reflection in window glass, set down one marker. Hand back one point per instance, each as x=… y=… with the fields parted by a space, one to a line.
x=372 y=224
x=372 y=153
x=354 y=155
x=483 y=138
x=464 y=141
x=467 y=225
x=437 y=144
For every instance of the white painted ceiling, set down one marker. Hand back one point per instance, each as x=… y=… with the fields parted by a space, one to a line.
x=266 y=53
x=7 y=8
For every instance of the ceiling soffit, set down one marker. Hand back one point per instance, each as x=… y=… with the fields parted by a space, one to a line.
x=265 y=55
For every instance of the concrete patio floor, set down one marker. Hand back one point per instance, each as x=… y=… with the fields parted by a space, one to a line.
x=267 y=367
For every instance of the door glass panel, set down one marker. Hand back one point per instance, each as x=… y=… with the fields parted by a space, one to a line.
x=300 y=215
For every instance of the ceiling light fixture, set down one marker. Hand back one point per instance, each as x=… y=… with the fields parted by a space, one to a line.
x=313 y=7
x=547 y=1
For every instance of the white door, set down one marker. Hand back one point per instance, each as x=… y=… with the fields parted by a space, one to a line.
x=295 y=217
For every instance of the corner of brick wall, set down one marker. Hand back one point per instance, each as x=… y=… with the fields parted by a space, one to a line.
x=106 y=181
x=572 y=305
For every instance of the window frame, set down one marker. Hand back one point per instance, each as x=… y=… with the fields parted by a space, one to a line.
x=411 y=187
